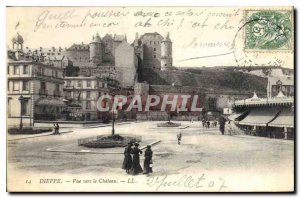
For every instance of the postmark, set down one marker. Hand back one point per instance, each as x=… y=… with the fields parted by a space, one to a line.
x=273 y=53
x=268 y=30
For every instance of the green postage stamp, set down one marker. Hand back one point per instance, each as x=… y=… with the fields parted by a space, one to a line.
x=268 y=30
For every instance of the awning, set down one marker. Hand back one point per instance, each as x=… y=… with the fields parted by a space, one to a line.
x=50 y=102
x=259 y=117
x=285 y=119
x=235 y=116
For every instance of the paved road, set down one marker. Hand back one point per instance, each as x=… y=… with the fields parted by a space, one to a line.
x=255 y=161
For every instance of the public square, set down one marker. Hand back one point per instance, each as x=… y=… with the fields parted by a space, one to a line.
x=239 y=162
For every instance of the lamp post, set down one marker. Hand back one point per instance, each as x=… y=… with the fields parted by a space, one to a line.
x=21 y=99
x=110 y=102
x=113 y=123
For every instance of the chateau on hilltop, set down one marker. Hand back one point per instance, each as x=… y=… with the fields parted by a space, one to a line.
x=113 y=57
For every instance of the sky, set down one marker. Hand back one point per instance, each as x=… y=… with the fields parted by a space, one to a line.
x=201 y=36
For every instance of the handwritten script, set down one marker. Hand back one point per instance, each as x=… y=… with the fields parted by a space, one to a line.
x=105 y=18
x=186 y=181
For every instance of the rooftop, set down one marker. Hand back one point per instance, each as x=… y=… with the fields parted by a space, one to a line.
x=280 y=99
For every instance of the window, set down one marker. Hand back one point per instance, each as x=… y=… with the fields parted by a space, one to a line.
x=56 y=74
x=154 y=49
x=154 y=56
x=79 y=84
x=8 y=69
x=43 y=85
x=25 y=86
x=16 y=70
x=88 y=83
x=16 y=85
x=25 y=69
x=68 y=83
x=88 y=94
x=8 y=107
x=154 y=42
x=57 y=87
x=100 y=84
x=69 y=94
x=25 y=107
x=88 y=104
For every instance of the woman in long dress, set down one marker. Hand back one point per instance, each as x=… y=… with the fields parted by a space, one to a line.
x=148 y=160
x=136 y=167
x=127 y=163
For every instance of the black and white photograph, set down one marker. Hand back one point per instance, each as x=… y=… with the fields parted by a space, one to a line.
x=150 y=99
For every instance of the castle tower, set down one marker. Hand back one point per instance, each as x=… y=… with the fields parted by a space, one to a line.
x=166 y=53
x=17 y=42
x=136 y=40
x=96 y=50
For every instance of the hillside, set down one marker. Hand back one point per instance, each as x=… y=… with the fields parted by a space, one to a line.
x=211 y=80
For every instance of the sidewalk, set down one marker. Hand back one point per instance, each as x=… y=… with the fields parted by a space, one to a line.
x=67 y=130
x=25 y=136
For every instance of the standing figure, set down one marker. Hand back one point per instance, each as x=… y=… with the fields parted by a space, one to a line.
x=136 y=167
x=208 y=123
x=215 y=123
x=179 y=136
x=127 y=163
x=222 y=125
x=203 y=123
x=54 y=129
x=148 y=160
x=57 y=129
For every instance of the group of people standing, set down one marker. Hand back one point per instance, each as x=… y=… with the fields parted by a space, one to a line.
x=214 y=123
x=131 y=161
x=209 y=124
x=56 y=129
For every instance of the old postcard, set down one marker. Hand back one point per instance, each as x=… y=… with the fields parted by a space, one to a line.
x=150 y=99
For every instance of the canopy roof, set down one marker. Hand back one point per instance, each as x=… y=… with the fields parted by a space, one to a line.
x=259 y=117
x=235 y=116
x=285 y=119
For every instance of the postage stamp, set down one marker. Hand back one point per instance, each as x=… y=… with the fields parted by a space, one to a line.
x=268 y=30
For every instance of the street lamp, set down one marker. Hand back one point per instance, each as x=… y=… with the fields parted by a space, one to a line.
x=113 y=122
x=21 y=99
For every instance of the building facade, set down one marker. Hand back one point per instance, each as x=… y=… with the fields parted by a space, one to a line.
x=154 y=50
x=284 y=84
x=81 y=94
x=34 y=88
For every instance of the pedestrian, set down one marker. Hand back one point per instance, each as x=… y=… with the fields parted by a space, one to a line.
x=208 y=123
x=179 y=136
x=127 y=163
x=136 y=167
x=203 y=123
x=57 y=129
x=54 y=129
x=222 y=125
x=148 y=160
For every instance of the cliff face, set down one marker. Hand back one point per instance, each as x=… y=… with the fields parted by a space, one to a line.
x=210 y=80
